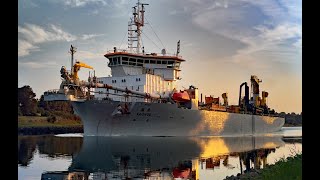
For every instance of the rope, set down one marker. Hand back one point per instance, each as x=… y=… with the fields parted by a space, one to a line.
x=123 y=39
x=151 y=40
x=155 y=33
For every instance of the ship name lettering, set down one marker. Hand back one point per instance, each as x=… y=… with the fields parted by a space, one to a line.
x=143 y=114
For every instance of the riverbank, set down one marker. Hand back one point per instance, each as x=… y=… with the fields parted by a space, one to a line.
x=289 y=168
x=38 y=125
x=292 y=125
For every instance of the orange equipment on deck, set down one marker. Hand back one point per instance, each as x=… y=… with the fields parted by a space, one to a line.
x=181 y=96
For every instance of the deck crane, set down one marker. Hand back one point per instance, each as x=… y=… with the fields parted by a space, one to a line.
x=76 y=68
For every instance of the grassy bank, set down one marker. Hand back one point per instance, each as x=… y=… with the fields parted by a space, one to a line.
x=37 y=125
x=289 y=168
x=39 y=121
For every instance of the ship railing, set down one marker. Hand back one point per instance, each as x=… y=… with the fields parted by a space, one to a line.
x=52 y=91
x=145 y=53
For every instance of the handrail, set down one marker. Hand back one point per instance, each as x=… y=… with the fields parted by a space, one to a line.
x=144 y=54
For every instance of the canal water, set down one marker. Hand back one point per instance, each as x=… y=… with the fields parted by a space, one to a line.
x=99 y=158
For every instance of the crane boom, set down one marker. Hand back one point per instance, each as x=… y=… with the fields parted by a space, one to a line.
x=76 y=68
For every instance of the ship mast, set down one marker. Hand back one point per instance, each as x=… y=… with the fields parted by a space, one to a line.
x=72 y=51
x=134 y=34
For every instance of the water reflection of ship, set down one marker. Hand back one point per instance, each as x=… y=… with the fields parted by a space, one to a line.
x=166 y=158
x=184 y=170
x=255 y=159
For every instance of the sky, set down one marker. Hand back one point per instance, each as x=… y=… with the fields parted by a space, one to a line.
x=224 y=42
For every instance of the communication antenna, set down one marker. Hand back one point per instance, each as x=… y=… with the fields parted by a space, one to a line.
x=178 y=47
x=134 y=34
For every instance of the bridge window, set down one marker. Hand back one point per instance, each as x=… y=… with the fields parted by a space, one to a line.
x=140 y=61
x=177 y=65
x=147 y=61
x=124 y=60
x=114 y=61
x=164 y=62
x=132 y=61
x=158 y=62
x=152 y=61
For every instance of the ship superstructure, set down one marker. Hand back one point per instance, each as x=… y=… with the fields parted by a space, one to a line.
x=137 y=70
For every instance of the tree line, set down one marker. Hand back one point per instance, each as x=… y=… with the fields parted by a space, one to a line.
x=28 y=105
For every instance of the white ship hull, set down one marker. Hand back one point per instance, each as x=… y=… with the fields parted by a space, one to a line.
x=100 y=118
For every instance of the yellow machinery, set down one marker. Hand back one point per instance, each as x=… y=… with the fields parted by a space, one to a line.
x=76 y=68
x=264 y=98
x=225 y=99
x=255 y=89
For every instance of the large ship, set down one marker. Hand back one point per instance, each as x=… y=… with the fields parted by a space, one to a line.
x=140 y=98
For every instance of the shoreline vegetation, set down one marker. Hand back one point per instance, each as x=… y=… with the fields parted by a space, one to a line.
x=37 y=117
x=285 y=168
x=38 y=125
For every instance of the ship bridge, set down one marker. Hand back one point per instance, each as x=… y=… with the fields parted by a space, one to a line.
x=123 y=63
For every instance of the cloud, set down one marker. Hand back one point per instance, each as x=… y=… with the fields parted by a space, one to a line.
x=25 y=47
x=36 y=34
x=37 y=65
x=89 y=55
x=266 y=28
x=272 y=41
x=28 y=4
x=278 y=44
x=298 y=43
x=81 y=3
x=30 y=36
x=90 y=36
x=61 y=35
